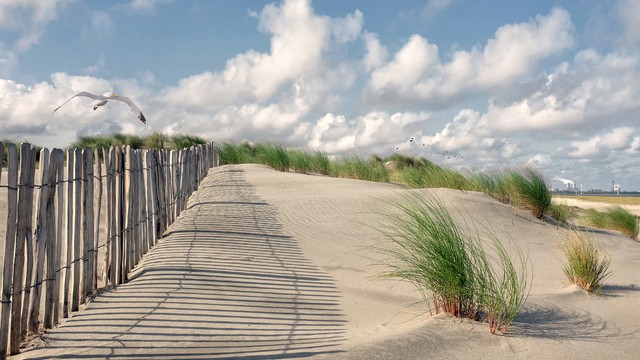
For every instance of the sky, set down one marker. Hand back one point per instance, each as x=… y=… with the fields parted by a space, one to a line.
x=468 y=84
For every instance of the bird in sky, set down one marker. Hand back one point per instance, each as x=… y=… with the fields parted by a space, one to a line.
x=104 y=98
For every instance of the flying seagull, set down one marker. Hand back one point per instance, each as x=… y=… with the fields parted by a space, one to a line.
x=106 y=97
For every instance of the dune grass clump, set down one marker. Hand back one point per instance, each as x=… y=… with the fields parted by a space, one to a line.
x=622 y=220
x=301 y=161
x=156 y=140
x=614 y=217
x=595 y=218
x=320 y=163
x=451 y=268
x=586 y=265
x=531 y=189
x=561 y=212
x=236 y=154
x=182 y=141
x=274 y=155
x=495 y=183
x=430 y=175
x=354 y=167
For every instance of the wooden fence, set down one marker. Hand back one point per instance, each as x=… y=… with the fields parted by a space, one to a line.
x=94 y=218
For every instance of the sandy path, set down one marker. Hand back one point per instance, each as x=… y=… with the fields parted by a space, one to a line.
x=280 y=265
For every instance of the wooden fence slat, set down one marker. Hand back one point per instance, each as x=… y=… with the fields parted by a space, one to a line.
x=128 y=214
x=23 y=235
x=39 y=241
x=29 y=248
x=9 y=247
x=88 y=253
x=97 y=172
x=67 y=250
x=149 y=206
x=59 y=247
x=76 y=258
x=108 y=163
x=50 y=240
x=119 y=216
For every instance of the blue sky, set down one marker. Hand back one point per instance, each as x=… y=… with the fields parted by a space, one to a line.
x=497 y=83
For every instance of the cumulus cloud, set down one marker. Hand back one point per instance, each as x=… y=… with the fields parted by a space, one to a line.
x=514 y=52
x=26 y=20
x=602 y=145
x=369 y=133
x=294 y=78
x=376 y=53
x=586 y=96
x=539 y=160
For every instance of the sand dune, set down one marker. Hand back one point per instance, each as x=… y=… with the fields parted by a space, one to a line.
x=334 y=220
x=255 y=223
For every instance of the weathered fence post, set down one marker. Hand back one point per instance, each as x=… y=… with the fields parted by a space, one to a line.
x=9 y=247
x=60 y=245
x=67 y=251
x=77 y=240
x=39 y=240
x=97 y=174
x=23 y=235
x=51 y=239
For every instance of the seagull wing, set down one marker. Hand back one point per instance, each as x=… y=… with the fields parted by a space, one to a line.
x=86 y=94
x=132 y=105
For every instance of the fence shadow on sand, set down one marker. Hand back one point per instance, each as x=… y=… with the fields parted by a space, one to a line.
x=225 y=282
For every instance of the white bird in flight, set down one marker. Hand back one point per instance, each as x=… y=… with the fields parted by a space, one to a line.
x=104 y=98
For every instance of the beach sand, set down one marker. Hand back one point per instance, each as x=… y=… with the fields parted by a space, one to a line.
x=334 y=224
x=334 y=221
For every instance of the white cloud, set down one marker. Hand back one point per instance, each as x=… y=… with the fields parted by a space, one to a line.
x=602 y=145
x=435 y=7
x=629 y=13
x=402 y=74
x=539 y=160
x=514 y=52
x=26 y=19
x=376 y=53
x=147 y=6
x=370 y=133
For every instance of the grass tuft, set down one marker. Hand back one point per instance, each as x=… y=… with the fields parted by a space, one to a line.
x=586 y=265
x=561 y=212
x=451 y=267
x=622 y=220
x=531 y=189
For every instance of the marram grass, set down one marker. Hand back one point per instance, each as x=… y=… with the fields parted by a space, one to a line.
x=586 y=265
x=614 y=217
x=622 y=220
x=451 y=267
